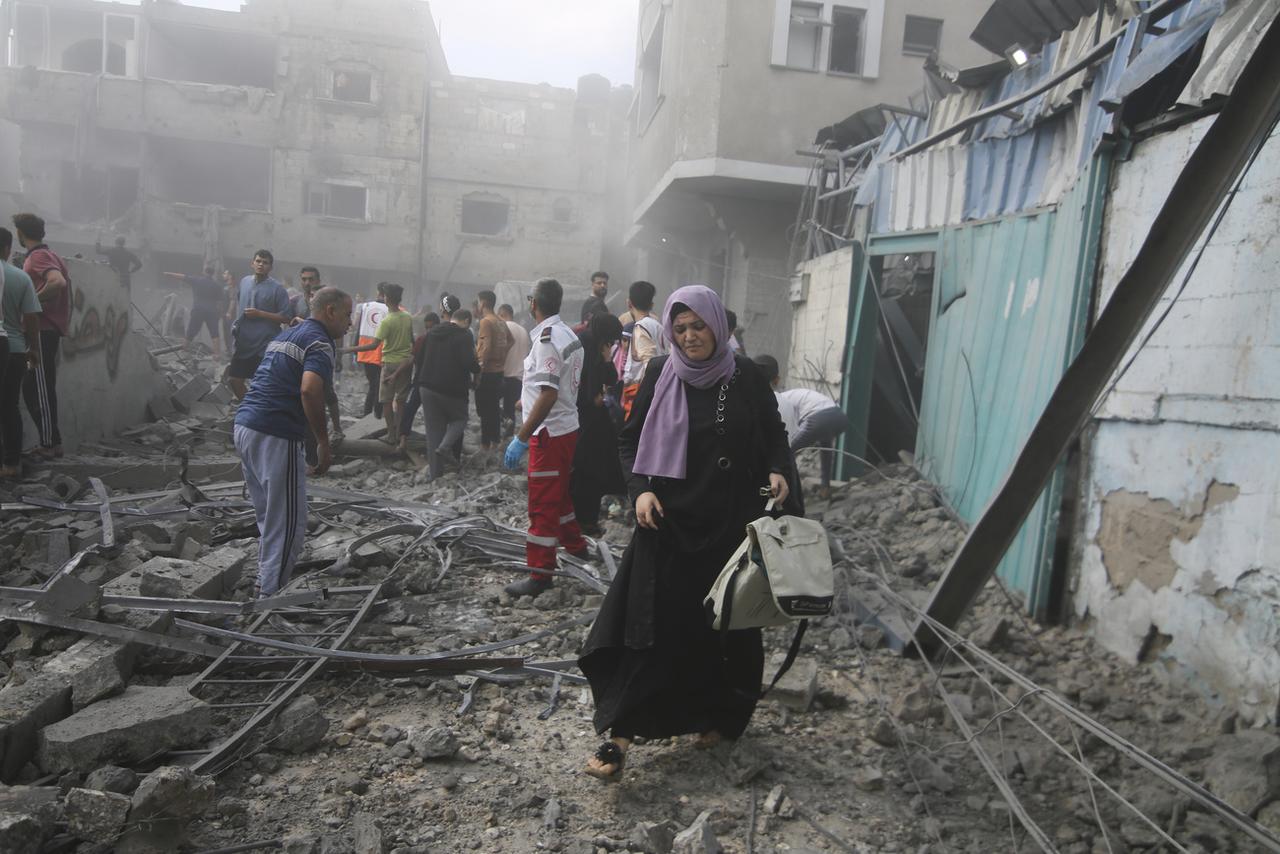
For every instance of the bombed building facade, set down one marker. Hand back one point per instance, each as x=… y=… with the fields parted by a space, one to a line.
x=312 y=128
x=726 y=96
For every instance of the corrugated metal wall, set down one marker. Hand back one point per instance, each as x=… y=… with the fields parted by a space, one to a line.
x=996 y=353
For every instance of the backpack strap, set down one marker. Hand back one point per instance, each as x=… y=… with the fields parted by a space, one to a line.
x=791 y=656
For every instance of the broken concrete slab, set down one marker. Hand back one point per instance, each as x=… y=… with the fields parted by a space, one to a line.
x=112 y=778
x=191 y=391
x=171 y=792
x=96 y=816
x=124 y=729
x=20 y=834
x=1244 y=769
x=697 y=838
x=95 y=669
x=798 y=686
x=39 y=802
x=24 y=710
x=300 y=727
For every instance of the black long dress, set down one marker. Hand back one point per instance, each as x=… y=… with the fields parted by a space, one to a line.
x=655 y=666
x=596 y=470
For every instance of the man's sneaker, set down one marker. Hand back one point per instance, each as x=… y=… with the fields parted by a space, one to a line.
x=531 y=587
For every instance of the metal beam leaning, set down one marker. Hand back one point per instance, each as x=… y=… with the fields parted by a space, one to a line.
x=111 y=632
x=108 y=527
x=1217 y=162
x=1102 y=50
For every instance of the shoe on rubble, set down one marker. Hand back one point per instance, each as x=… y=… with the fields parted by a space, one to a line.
x=531 y=587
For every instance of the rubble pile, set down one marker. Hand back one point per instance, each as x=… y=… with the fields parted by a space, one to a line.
x=854 y=750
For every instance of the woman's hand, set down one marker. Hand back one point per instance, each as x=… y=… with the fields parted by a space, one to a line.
x=778 y=487
x=649 y=511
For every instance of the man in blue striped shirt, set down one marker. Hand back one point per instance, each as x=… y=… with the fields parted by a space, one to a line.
x=287 y=397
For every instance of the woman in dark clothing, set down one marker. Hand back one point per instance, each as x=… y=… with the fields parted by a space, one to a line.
x=596 y=470
x=703 y=442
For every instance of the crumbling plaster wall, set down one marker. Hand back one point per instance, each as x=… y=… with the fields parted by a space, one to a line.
x=1180 y=556
x=820 y=324
x=105 y=375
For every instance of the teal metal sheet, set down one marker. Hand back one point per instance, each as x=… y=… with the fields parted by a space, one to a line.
x=996 y=353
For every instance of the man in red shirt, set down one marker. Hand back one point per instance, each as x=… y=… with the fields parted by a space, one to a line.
x=53 y=289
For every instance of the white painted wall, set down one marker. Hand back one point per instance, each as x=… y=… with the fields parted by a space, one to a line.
x=1199 y=407
x=820 y=324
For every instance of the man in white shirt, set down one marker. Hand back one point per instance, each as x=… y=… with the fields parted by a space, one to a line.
x=549 y=403
x=513 y=369
x=812 y=418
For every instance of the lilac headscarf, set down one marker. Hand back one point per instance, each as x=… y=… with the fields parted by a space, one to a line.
x=664 y=439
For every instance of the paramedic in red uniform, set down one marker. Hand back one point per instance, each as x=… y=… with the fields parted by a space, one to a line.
x=552 y=374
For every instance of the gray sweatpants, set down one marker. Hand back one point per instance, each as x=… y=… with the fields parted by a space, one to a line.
x=276 y=476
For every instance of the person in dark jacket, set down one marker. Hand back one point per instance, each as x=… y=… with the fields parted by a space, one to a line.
x=596 y=470
x=703 y=441
x=443 y=370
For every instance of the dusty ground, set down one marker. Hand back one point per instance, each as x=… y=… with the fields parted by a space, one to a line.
x=874 y=763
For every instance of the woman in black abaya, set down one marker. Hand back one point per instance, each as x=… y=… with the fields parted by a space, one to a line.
x=702 y=451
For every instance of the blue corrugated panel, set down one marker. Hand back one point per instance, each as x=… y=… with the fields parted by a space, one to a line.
x=996 y=354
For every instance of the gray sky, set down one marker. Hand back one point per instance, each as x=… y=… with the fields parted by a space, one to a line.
x=534 y=41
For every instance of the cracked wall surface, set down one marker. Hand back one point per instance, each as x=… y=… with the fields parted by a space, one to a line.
x=1180 y=560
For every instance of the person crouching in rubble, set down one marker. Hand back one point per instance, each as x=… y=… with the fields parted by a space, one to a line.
x=704 y=437
x=287 y=397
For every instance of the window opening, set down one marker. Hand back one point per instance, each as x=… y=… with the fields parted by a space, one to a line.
x=651 y=70
x=921 y=36
x=485 y=216
x=338 y=200
x=354 y=86
x=804 y=41
x=847 y=30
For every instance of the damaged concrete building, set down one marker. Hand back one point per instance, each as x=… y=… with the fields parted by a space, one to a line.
x=726 y=94
x=299 y=125
x=983 y=246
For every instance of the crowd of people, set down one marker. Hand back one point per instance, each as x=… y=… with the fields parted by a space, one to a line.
x=663 y=409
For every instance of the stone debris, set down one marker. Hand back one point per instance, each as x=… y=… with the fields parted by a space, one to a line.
x=429 y=763
x=697 y=838
x=127 y=728
x=300 y=727
x=96 y=816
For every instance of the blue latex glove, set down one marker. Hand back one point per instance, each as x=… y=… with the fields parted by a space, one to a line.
x=515 y=451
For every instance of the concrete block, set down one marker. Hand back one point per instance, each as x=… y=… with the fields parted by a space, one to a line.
x=798 y=687
x=171 y=792
x=1244 y=769
x=191 y=392
x=160 y=408
x=171 y=578
x=96 y=816
x=95 y=669
x=24 y=710
x=124 y=729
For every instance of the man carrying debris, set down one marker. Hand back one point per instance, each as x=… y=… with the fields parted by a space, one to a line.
x=19 y=346
x=287 y=398
x=552 y=374
x=53 y=288
x=493 y=341
x=206 y=307
x=446 y=365
x=264 y=307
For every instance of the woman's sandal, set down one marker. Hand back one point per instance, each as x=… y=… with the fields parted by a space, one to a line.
x=608 y=754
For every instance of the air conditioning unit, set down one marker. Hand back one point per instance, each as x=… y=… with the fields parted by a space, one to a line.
x=799 y=291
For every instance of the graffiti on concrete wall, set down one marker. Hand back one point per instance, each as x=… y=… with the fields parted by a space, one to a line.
x=95 y=328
